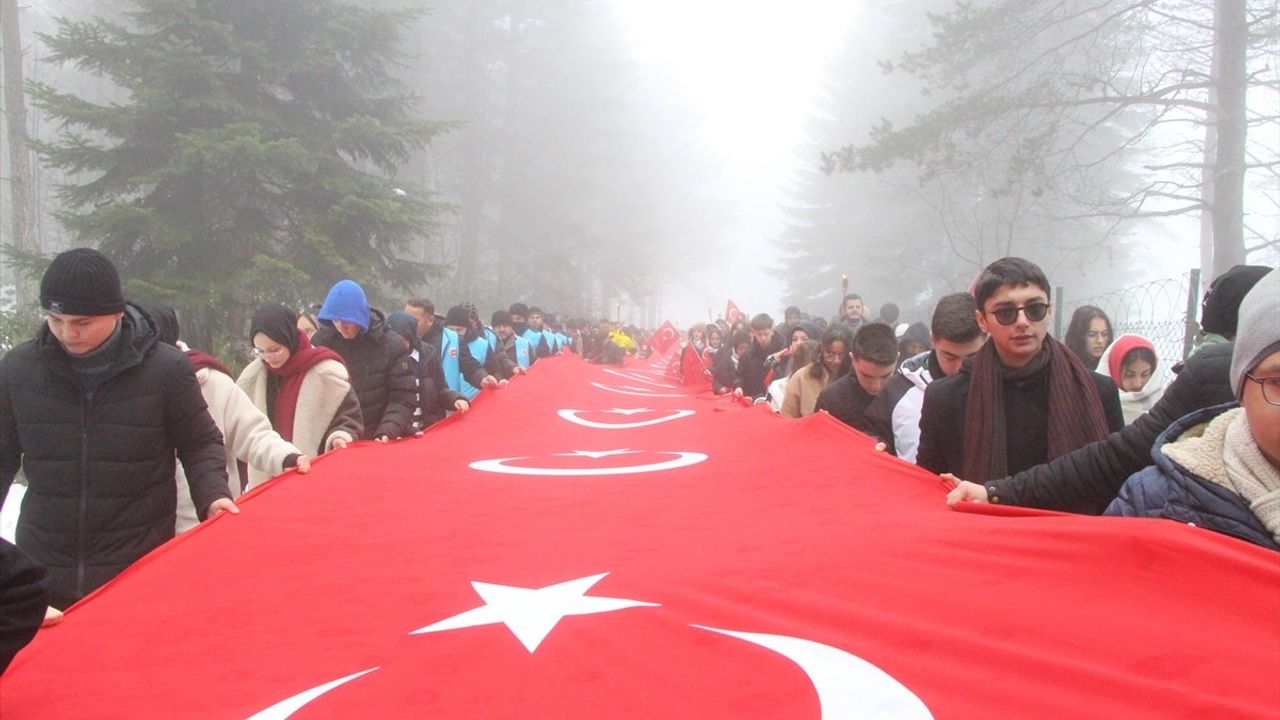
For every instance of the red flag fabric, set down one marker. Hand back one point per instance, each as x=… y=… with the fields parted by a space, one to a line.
x=732 y=314
x=590 y=542
x=664 y=337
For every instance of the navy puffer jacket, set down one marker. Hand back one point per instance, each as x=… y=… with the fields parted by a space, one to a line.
x=1169 y=490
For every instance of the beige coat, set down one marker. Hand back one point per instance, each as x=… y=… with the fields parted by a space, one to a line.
x=327 y=408
x=247 y=436
x=802 y=392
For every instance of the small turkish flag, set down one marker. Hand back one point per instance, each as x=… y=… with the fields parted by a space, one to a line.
x=692 y=371
x=664 y=337
x=630 y=550
x=732 y=314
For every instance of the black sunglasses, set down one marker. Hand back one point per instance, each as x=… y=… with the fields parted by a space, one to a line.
x=1008 y=315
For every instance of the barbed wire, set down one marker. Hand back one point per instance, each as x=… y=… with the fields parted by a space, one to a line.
x=1156 y=310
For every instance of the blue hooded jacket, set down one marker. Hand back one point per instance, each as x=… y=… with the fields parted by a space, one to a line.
x=346 y=301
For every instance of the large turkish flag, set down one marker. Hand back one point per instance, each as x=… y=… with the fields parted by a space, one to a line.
x=590 y=542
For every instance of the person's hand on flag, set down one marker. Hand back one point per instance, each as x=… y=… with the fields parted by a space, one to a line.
x=964 y=490
x=222 y=505
x=461 y=405
x=52 y=616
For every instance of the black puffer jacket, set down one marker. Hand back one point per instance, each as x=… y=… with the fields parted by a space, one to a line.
x=1086 y=480
x=382 y=375
x=100 y=465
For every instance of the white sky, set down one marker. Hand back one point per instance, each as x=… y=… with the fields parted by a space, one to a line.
x=754 y=70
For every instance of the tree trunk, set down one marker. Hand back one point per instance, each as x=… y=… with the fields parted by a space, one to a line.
x=15 y=103
x=1230 y=47
x=1206 y=179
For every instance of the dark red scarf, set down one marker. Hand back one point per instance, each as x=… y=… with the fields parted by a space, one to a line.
x=291 y=375
x=200 y=360
x=1076 y=417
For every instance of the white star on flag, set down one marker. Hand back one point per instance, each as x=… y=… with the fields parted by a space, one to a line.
x=531 y=613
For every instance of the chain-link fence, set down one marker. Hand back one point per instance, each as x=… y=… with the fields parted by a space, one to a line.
x=1166 y=312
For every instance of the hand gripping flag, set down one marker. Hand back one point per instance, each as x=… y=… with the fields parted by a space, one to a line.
x=594 y=542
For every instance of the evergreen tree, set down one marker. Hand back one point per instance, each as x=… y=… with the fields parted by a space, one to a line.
x=254 y=160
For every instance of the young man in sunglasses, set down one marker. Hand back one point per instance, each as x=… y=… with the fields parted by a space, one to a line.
x=1024 y=398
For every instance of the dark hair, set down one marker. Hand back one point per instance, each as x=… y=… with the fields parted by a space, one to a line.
x=714 y=328
x=1139 y=353
x=422 y=304
x=876 y=342
x=805 y=353
x=834 y=333
x=955 y=320
x=1008 y=271
x=1078 y=331
x=761 y=322
x=850 y=296
x=889 y=313
x=740 y=338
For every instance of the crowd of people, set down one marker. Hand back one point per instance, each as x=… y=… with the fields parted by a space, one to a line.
x=985 y=397
x=126 y=436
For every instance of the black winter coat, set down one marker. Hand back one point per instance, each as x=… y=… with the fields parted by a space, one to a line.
x=847 y=402
x=100 y=465
x=434 y=395
x=753 y=365
x=382 y=375
x=1026 y=404
x=24 y=595
x=1085 y=480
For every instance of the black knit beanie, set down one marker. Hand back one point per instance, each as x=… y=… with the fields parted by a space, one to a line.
x=81 y=282
x=278 y=323
x=458 y=316
x=1220 y=310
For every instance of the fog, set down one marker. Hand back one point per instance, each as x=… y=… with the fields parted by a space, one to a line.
x=651 y=159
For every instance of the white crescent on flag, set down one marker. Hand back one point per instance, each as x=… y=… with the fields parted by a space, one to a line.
x=500 y=465
x=572 y=416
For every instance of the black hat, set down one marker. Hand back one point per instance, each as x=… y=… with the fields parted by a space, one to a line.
x=165 y=320
x=500 y=317
x=519 y=309
x=458 y=315
x=81 y=282
x=1220 y=311
x=535 y=310
x=278 y=323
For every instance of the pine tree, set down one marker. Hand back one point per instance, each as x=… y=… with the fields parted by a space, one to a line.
x=254 y=160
